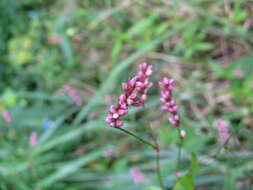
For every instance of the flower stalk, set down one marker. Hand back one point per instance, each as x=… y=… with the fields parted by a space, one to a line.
x=138 y=138
x=135 y=94
x=170 y=106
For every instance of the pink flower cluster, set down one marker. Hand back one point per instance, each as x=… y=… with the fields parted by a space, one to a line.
x=73 y=93
x=223 y=129
x=178 y=174
x=33 y=139
x=6 y=116
x=109 y=153
x=135 y=94
x=169 y=104
x=80 y=151
x=238 y=73
x=137 y=175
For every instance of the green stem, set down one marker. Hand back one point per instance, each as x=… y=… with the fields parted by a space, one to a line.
x=225 y=143
x=158 y=169
x=178 y=157
x=137 y=137
x=158 y=166
x=155 y=147
x=179 y=150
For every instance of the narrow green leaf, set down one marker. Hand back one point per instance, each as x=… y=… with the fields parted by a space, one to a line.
x=70 y=167
x=194 y=165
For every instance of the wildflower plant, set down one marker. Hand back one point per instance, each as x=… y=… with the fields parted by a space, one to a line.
x=135 y=94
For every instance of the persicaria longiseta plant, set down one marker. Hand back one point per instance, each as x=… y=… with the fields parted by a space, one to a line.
x=135 y=94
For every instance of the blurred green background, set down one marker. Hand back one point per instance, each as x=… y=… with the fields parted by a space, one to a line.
x=47 y=142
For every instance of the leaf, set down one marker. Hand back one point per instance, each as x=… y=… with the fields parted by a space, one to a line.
x=187 y=182
x=140 y=26
x=61 y=139
x=194 y=166
x=70 y=167
x=178 y=186
x=230 y=182
x=152 y=188
x=116 y=50
x=203 y=46
x=217 y=69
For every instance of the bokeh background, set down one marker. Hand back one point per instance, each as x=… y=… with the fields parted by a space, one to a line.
x=62 y=65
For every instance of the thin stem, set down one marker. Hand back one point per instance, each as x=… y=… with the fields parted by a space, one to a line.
x=158 y=169
x=179 y=150
x=222 y=146
x=137 y=137
x=178 y=158
x=225 y=143
x=158 y=166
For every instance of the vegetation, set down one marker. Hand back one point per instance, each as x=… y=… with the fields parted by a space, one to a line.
x=62 y=66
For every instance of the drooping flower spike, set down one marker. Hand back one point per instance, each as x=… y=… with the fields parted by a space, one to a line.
x=135 y=94
x=169 y=104
x=223 y=128
x=74 y=94
x=138 y=177
x=33 y=139
x=6 y=116
x=238 y=73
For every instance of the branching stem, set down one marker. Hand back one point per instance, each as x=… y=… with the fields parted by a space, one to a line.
x=137 y=137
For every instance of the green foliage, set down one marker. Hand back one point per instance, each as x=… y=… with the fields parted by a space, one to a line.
x=241 y=87
x=95 y=45
x=187 y=182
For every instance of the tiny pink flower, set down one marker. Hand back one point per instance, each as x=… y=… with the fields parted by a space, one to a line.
x=137 y=175
x=6 y=116
x=54 y=40
x=109 y=153
x=182 y=133
x=178 y=174
x=33 y=139
x=238 y=73
x=80 y=151
x=73 y=93
x=223 y=128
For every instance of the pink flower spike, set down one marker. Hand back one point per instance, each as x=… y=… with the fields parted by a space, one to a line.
x=169 y=104
x=137 y=175
x=178 y=174
x=54 y=40
x=33 y=139
x=73 y=93
x=6 y=116
x=135 y=94
x=80 y=151
x=223 y=128
x=238 y=73
x=109 y=153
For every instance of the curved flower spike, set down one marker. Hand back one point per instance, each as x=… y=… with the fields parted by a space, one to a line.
x=135 y=94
